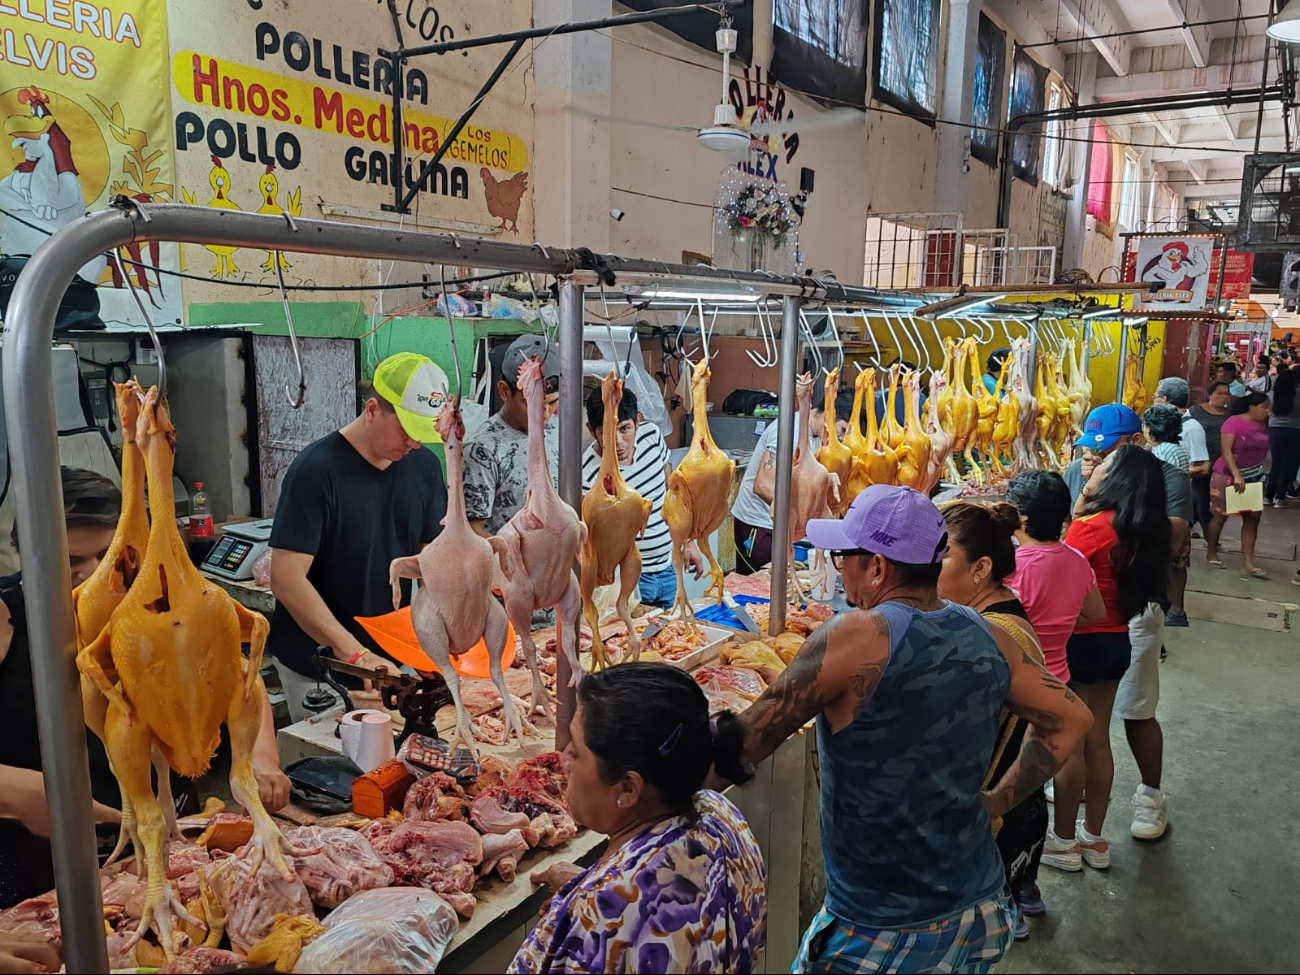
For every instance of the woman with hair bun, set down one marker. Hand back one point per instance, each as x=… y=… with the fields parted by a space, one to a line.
x=981 y=556
x=640 y=753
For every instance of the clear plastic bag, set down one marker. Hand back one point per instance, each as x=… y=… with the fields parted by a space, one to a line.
x=392 y=930
x=262 y=570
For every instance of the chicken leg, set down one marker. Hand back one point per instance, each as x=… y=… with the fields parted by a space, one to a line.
x=940 y=439
x=813 y=489
x=452 y=611
x=614 y=515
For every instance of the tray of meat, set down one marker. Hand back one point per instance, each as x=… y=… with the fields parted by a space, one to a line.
x=674 y=643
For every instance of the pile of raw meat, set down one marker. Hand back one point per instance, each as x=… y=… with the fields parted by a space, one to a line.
x=448 y=839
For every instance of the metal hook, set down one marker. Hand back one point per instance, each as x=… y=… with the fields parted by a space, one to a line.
x=922 y=353
x=153 y=334
x=681 y=347
x=294 y=401
x=451 y=327
x=545 y=253
x=869 y=333
x=898 y=346
x=767 y=333
x=288 y=218
x=705 y=335
x=835 y=331
x=813 y=347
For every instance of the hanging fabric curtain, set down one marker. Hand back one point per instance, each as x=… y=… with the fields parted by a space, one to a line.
x=907 y=55
x=820 y=47
x=700 y=28
x=1028 y=87
x=1101 y=178
x=990 y=67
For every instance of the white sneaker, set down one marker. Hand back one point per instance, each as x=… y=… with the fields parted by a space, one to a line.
x=1050 y=790
x=1094 y=850
x=1062 y=854
x=1151 y=814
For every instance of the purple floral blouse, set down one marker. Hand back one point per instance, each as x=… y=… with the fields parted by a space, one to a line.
x=687 y=895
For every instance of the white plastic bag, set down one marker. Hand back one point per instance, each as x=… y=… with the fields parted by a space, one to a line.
x=392 y=930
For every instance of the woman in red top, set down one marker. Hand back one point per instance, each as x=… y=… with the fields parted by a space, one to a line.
x=1124 y=499
x=1245 y=448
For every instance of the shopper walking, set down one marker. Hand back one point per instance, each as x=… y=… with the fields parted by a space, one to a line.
x=1164 y=427
x=1211 y=416
x=1122 y=529
x=1244 y=438
x=908 y=694
x=981 y=555
x=1283 y=439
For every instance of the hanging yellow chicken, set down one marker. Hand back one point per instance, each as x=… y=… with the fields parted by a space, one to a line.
x=859 y=445
x=1078 y=389
x=1135 y=395
x=914 y=452
x=835 y=455
x=881 y=459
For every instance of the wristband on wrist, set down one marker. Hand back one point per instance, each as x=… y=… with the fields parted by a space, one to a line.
x=356 y=656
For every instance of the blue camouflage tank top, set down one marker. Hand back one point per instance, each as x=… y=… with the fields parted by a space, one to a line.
x=905 y=835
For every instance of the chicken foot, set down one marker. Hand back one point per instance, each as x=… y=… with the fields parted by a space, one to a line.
x=432 y=633
x=629 y=574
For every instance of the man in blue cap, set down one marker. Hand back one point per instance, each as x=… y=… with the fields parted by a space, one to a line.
x=1106 y=428
x=907 y=694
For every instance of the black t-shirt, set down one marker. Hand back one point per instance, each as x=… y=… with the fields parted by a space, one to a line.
x=354 y=519
x=26 y=864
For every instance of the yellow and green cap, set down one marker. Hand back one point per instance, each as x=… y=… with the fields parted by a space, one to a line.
x=416 y=388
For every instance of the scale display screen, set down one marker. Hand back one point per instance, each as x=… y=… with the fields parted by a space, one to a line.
x=228 y=553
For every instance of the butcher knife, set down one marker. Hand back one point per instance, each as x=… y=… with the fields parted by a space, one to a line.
x=746 y=621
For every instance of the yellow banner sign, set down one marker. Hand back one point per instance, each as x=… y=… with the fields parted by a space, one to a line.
x=240 y=89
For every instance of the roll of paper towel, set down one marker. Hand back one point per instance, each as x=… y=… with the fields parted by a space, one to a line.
x=367 y=737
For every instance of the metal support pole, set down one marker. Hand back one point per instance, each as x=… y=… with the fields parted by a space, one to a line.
x=43 y=541
x=785 y=411
x=1123 y=362
x=399 y=141
x=570 y=419
x=450 y=137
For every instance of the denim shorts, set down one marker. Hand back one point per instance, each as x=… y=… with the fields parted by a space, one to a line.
x=1095 y=657
x=658 y=588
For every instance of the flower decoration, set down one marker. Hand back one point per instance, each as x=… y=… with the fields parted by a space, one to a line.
x=762 y=207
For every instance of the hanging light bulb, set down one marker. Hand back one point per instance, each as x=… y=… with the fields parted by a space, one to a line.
x=1286 y=25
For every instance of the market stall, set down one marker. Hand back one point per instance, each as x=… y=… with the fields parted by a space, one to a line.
x=782 y=804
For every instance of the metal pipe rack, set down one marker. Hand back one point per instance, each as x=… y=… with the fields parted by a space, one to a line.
x=29 y=403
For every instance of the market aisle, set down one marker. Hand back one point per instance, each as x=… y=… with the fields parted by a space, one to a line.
x=1218 y=892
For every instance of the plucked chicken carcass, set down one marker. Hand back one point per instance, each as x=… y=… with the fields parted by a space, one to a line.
x=251 y=893
x=442 y=857
x=174 y=646
x=452 y=611
x=434 y=797
x=951 y=352
x=880 y=459
x=345 y=865
x=940 y=439
x=283 y=944
x=964 y=410
x=1046 y=421
x=914 y=454
x=858 y=445
x=835 y=455
x=698 y=490
x=1006 y=427
x=1061 y=440
x=1135 y=395
x=501 y=852
x=1023 y=446
x=756 y=656
x=891 y=430
x=986 y=418
x=542 y=539
x=1078 y=389
x=813 y=489
x=615 y=516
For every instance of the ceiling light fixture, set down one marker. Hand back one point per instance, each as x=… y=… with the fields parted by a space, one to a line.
x=1286 y=25
x=951 y=307
x=1103 y=312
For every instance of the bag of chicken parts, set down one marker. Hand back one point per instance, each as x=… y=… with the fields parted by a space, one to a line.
x=392 y=930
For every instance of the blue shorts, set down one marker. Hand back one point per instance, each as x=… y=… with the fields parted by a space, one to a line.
x=968 y=941
x=658 y=588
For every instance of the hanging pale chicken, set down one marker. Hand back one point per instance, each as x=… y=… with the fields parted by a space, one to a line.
x=173 y=644
x=698 y=492
x=813 y=489
x=1027 y=435
x=1062 y=441
x=835 y=455
x=1078 y=389
x=914 y=453
x=1045 y=423
x=986 y=415
x=615 y=516
x=940 y=439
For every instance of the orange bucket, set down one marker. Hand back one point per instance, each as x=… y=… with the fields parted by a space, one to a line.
x=396 y=636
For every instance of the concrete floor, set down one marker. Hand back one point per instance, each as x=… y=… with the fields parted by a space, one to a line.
x=1220 y=892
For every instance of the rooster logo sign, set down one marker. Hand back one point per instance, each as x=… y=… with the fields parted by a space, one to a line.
x=504 y=197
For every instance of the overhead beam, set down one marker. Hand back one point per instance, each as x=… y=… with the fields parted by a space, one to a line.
x=1169 y=70
x=1206 y=150
x=1199 y=169
x=1095 y=20
x=1225 y=120
x=1197 y=39
x=1167 y=128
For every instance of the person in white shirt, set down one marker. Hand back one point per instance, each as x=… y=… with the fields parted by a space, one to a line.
x=751 y=512
x=1175 y=391
x=643 y=462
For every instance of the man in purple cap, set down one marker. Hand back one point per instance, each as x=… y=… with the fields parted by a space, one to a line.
x=907 y=695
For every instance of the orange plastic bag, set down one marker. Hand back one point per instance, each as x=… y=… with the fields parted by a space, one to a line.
x=396 y=636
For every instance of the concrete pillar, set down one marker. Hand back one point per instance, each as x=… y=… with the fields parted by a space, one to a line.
x=571 y=134
x=1076 y=211
x=958 y=86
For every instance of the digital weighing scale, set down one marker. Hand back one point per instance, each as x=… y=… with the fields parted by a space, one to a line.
x=238 y=548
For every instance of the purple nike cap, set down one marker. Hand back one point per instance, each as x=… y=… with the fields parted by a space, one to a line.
x=899 y=523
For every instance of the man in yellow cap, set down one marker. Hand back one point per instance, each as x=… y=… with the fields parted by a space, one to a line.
x=351 y=503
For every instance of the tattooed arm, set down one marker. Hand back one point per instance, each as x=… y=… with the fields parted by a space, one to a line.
x=1057 y=720
x=836 y=670
x=765 y=479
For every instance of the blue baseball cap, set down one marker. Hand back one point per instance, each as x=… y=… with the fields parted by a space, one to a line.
x=1107 y=424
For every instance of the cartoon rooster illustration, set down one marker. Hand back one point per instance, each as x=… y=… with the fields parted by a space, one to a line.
x=270 y=187
x=219 y=180
x=504 y=197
